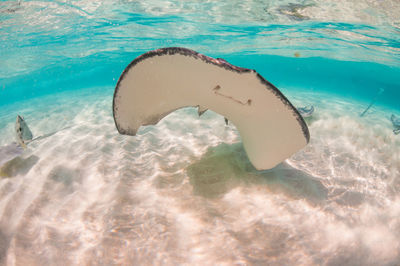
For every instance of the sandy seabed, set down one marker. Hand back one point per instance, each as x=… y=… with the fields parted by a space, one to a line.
x=184 y=192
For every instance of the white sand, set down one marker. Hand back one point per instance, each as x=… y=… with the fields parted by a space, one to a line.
x=176 y=194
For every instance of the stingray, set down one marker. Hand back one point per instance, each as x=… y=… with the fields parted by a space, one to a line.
x=161 y=81
x=396 y=124
x=306 y=111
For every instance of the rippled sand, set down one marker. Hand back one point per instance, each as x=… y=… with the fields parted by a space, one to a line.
x=184 y=192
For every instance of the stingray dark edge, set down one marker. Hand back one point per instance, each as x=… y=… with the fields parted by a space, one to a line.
x=209 y=60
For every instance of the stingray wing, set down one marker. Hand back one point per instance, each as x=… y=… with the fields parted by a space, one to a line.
x=161 y=81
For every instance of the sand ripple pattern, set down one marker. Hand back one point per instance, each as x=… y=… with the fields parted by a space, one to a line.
x=184 y=192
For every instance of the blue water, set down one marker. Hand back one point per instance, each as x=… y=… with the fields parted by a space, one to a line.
x=361 y=80
x=59 y=45
x=183 y=191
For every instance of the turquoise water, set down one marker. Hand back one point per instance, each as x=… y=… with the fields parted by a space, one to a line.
x=183 y=191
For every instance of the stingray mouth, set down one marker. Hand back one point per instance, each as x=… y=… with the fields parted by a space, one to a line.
x=161 y=81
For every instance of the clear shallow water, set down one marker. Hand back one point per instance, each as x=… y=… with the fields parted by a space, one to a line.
x=183 y=191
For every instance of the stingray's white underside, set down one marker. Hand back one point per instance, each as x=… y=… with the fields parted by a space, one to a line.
x=164 y=80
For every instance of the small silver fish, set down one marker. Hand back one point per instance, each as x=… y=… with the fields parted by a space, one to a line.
x=306 y=111
x=396 y=124
x=22 y=132
x=10 y=152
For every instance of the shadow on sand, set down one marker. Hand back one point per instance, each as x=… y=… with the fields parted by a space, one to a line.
x=225 y=167
x=17 y=166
